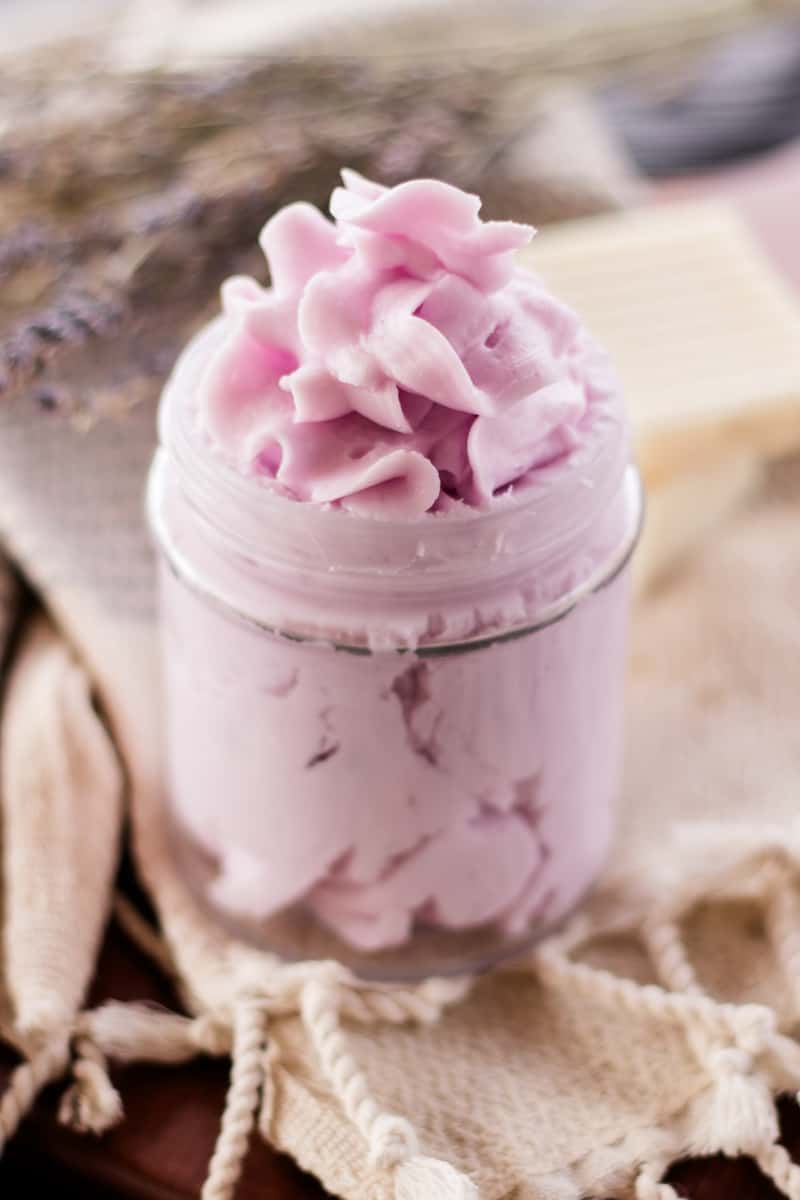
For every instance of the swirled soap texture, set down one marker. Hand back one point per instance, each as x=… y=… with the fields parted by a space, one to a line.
x=400 y=362
x=404 y=443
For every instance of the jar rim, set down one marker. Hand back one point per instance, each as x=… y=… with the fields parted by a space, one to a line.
x=606 y=573
x=269 y=526
x=323 y=573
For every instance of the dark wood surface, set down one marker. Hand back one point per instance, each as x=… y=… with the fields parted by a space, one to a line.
x=161 y=1150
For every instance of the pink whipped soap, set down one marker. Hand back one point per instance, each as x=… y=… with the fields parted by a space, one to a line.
x=409 y=443
x=401 y=362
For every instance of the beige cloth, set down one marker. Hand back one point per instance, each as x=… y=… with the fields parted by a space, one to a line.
x=553 y=1080
x=558 y=1079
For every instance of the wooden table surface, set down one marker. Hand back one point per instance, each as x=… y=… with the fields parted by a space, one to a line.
x=161 y=1150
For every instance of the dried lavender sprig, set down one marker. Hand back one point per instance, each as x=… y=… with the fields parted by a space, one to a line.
x=75 y=318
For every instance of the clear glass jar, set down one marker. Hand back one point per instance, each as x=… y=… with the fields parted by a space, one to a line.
x=395 y=743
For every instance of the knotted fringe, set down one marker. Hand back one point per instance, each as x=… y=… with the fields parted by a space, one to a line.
x=742 y=1052
x=247 y=1077
x=92 y=1104
x=391 y=1140
x=130 y=1032
x=736 y=1113
x=138 y=1033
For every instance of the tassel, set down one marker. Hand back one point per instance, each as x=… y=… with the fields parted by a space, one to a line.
x=422 y=1178
x=391 y=1138
x=648 y=1186
x=737 y=1115
x=92 y=1104
x=135 y=1033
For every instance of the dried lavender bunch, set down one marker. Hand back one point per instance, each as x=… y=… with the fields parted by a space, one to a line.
x=126 y=199
x=153 y=189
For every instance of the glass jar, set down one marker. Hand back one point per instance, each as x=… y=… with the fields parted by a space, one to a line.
x=392 y=742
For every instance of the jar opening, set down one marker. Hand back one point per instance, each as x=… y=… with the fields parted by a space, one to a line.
x=299 y=568
x=178 y=564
